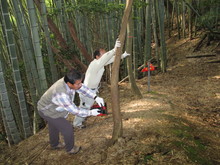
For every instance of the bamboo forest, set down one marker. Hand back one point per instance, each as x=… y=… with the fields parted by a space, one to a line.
x=161 y=91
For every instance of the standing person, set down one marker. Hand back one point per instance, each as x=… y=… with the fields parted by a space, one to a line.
x=57 y=102
x=93 y=77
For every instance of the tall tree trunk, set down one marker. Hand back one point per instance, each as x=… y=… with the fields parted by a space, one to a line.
x=117 y=129
x=62 y=19
x=160 y=11
x=154 y=24
x=173 y=13
x=183 y=19
x=16 y=70
x=5 y=104
x=53 y=69
x=30 y=67
x=138 y=53
x=130 y=35
x=190 y=24
x=6 y=111
x=169 y=10
x=28 y=52
x=177 y=18
x=147 y=47
x=36 y=45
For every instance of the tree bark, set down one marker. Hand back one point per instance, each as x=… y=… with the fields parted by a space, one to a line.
x=130 y=33
x=53 y=68
x=10 y=40
x=160 y=11
x=117 y=129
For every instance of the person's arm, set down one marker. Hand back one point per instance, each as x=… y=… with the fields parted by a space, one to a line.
x=63 y=101
x=87 y=92
x=108 y=55
x=125 y=54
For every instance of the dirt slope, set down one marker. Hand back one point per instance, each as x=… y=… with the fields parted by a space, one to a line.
x=177 y=123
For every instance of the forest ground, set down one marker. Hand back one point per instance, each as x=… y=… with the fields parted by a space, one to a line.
x=178 y=122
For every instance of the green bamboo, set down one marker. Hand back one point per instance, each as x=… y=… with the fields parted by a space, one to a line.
x=154 y=24
x=190 y=24
x=7 y=115
x=173 y=13
x=168 y=19
x=2 y=68
x=30 y=67
x=61 y=16
x=160 y=11
x=147 y=45
x=28 y=51
x=183 y=19
x=53 y=68
x=16 y=70
x=36 y=45
x=176 y=4
x=135 y=43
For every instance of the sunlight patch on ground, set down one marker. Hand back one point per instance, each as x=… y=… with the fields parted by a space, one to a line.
x=131 y=123
x=137 y=123
x=217 y=95
x=216 y=77
x=141 y=105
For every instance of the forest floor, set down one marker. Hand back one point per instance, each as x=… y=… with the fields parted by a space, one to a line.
x=178 y=122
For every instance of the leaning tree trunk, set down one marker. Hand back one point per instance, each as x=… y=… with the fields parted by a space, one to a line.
x=78 y=42
x=16 y=71
x=130 y=33
x=117 y=129
x=61 y=41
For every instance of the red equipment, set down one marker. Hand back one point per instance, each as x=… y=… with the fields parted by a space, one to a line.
x=102 y=109
x=146 y=69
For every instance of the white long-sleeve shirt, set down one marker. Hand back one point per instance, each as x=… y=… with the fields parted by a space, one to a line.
x=96 y=69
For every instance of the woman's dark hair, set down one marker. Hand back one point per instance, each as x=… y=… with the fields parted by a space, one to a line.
x=72 y=76
x=96 y=53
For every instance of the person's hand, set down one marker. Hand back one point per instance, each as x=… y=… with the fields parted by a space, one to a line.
x=125 y=54
x=99 y=101
x=94 y=112
x=117 y=44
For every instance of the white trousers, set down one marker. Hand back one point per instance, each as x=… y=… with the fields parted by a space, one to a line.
x=85 y=103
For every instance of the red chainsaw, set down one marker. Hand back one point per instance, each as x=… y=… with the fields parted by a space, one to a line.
x=102 y=109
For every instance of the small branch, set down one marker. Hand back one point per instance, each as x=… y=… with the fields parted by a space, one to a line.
x=200 y=43
x=127 y=76
x=201 y=55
